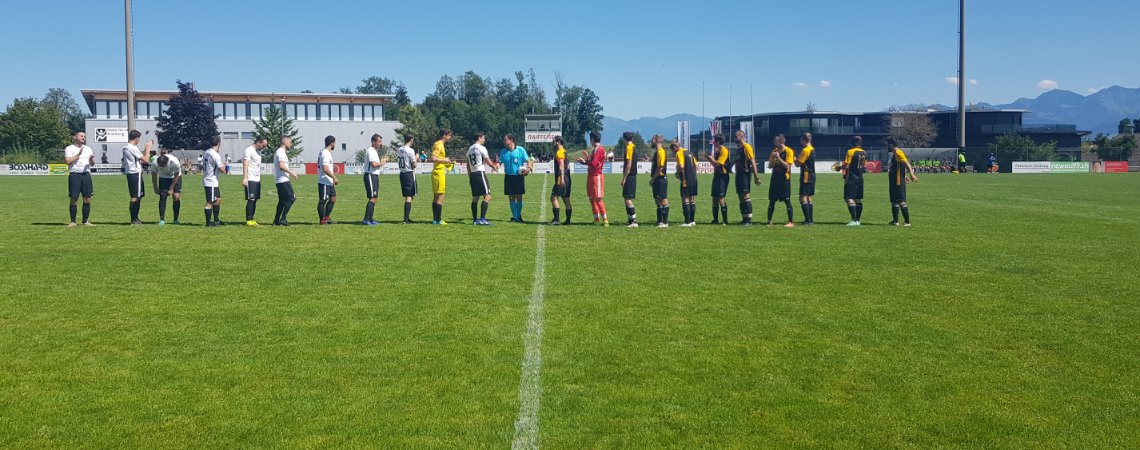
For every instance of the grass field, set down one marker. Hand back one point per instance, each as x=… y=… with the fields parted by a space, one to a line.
x=1008 y=316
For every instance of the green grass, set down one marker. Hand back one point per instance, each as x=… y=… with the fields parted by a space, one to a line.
x=1007 y=317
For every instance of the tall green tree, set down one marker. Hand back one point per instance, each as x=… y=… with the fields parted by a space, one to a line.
x=1117 y=148
x=188 y=123
x=272 y=126
x=69 y=111
x=1016 y=147
x=31 y=126
x=911 y=129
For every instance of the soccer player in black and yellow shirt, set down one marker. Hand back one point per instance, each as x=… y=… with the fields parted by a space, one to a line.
x=806 y=163
x=629 y=179
x=747 y=173
x=659 y=180
x=899 y=179
x=780 y=187
x=719 y=160
x=562 y=182
x=687 y=174
x=853 y=166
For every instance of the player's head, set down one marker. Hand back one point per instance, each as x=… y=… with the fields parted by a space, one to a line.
x=857 y=141
x=892 y=143
x=719 y=140
x=444 y=134
x=287 y=143
x=627 y=136
x=674 y=145
x=79 y=138
x=739 y=135
x=260 y=143
x=595 y=137
x=217 y=141
x=805 y=139
x=509 y=141
x=779 y=140
x=330 y=141
x=480 y=138
x=656 y=140
x=558 y=141
x=377 y=140
x=163 y=160
x=134 y=136
x=408 y=140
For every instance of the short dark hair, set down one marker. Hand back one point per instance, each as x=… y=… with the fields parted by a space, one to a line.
x=806 y=137
x=329 y=140
x=375 y=137
x=595 y=137
x=260 y=139
x=719 y=140
x=781 y=138
x=408 y=138
x=162 y=160
x=479 y=134
x=628 y=136
x=444 y=132
x=509 y=137
x=558 y=140
x=892 y=143
x=857 y=141
x=134 y=134
x=217 y=140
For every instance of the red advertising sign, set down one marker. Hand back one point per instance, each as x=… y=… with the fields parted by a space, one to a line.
x=874 y=166
x=1113 y=166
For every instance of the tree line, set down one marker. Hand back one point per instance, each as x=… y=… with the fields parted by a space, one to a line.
x=35 y=131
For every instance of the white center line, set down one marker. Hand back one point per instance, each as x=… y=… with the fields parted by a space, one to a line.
x=530 y=378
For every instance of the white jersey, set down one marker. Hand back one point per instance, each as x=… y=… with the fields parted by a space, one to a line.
x=83 y=164
x=280 y=156
x=132 y=159
x=325 y=160
x=253 y=173
x=477 y=157
x=211 y=164
x=373 y=156
x=406 y=157
x=173 y=167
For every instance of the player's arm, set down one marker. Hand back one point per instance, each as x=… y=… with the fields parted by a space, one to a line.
x=245 y=171
x=146 y=151
x=438 y=160
x=327 y=168
x=177 y=179
x=803 y=158
x=221 y=167
x=285 y=168
x=751 y=155
x=377 y=162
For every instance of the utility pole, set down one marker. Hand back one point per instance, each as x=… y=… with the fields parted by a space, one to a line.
x=130 y=69
x=962 y=76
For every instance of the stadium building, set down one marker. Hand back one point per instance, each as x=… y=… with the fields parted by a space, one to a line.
x=832 y=131
x=352 y=118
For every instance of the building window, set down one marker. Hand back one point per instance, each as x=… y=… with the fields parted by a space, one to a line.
x=101 y=110
x=324 y=113
x=248 y=135
x=333 y=112
x=217 y=110
x=344 y=146
x=123 y=109
x=357 y=112
x=230 y=135
x=310 y=112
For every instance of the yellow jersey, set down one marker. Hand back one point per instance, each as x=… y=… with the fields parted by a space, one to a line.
x=438 y=151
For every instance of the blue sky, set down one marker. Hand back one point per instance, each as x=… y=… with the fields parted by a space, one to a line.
x=642 y=58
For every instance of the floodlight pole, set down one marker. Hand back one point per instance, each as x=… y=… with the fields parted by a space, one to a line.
x=961 y=76
x=130 y=68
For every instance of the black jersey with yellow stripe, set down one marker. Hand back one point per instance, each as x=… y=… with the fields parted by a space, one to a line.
x=720 y=155
x=686 y=168
x=744 y=157
x=779 y=172
x=897 y=171
x=807 y=163
x=660 y=167
x=856 y=162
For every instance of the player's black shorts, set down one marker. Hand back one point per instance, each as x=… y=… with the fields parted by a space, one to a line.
x=408 y=184
x=853 y=190
x=629 y=192
x=285 y=192
x=779 y=190
x=719 y=185
x=371 y=185
x=807 y=183
x=79 y=184
x=689 y=191
x=213 y=194
x=326 y=191
x=514 y=185
x=135 y=185
x=479 y=184
x=743 y=183
x=165 y=184
x=660 y=187
x=562 y=191
x=898 y=193
x=253 y=190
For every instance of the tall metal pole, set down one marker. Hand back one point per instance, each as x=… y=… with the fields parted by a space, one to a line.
x=962 y=76
x=130 y=70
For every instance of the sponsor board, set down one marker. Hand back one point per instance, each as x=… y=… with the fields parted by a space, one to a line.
x=111 y=134
x=1032 y=166
x=57 y=169
x=24 y=169
x=107 y=169
x=1113 y=167
x=704 y=167
x=541 y=136
x=1069 y=167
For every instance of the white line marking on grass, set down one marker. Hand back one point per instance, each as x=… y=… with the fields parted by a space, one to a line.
x=530 y=378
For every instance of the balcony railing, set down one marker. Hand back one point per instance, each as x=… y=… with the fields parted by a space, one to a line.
x=837 y=130
x=1032 y=128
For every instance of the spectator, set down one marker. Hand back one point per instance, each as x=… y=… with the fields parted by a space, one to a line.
x=104 y=160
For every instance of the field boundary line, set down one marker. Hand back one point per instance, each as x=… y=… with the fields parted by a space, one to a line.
x=530 y=377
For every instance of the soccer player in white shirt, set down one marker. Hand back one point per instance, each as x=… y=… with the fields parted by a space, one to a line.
x=282 y=175
x=211 y=165
x=166 y=175
x=251 y=178
x=477 y=161
x=326 y=183
x=79 y=158
x=406 y=159
x=373 y=165
x=133 y=161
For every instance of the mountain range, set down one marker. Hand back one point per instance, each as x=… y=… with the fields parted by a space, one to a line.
x=1099 y=112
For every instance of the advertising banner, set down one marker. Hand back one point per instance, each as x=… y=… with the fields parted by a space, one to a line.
x=704 y=167
x=107 y=169
x=874 y=166
x=57 y=169
x=541 y=136
x=1069 y=167
x=111 y=134
x=1031 y=166
x=683 y=133
x=24 y=169
x=746 y=127
x=1114 y=166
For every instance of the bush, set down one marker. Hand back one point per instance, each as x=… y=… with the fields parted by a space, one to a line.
x=22 y=158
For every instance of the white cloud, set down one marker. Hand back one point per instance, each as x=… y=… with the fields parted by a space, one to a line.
x=825 y=84
x=974 y=82
x=799 y=84
x=1095 y=90
x=1048 y=84
x=952 y=80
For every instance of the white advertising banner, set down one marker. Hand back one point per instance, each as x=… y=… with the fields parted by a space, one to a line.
x=24 y=169
x=746 y=127
x=107 y=169
x=1032 y=166
x=111 y=134
x=683 y=133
